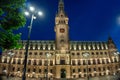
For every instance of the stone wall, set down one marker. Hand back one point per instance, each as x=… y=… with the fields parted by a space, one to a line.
x=116 y=77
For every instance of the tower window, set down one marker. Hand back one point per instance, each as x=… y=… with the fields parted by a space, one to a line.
x=62 y=41
x=62 y=30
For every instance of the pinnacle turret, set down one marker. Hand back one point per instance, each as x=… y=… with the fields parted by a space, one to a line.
x=61 y=6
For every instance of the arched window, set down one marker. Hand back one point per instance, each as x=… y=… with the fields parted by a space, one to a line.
x=89 y=62
x=73 y=70
x=97 y=53
x=94 y=62
x=73 y=62
x=46 y=47
x=101 y=53
x=31 y=47
x=73 y=54
x=103 y=68
x=51 y=47
x=34 y=63
x=5 y=60
x=51 y=71
x=34 y=70
x=107 y=61
x=79 y=76
x=78 y=62
x=103 y=61
x=13 y=68
x=92 y=53
x=29 y=62
x=51 y=62
x=39 y=70
x=84 y=62
x=41 y=47
x=94 y=69
x=84 y=70
x=108 y=68
x=14 y=61
x=90 y=75
x=99 y=68
x=46 y=63
x=30 y=53
x=36 y=47
x=19 y=61
x=78 y=54
x=72 y=48
x=115 y=60
x=18 y=69
x=35 y=53
x=79 y=70
x=89 y=69
x=41 y=53
x=77 y=48
x=40 y=62
x=98 y=60
x=28 y=70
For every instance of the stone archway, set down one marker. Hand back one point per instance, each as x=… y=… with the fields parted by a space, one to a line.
x=63 y=73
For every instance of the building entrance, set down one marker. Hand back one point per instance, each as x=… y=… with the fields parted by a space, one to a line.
x=63 y=73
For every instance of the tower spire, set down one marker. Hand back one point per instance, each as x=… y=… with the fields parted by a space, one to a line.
x=61 y=6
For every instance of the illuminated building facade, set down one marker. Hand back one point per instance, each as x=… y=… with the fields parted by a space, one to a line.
x=67 y=58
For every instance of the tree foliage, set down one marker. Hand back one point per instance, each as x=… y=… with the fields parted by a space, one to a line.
x=11 y=18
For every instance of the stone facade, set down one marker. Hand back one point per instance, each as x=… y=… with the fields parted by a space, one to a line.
x=74 y=60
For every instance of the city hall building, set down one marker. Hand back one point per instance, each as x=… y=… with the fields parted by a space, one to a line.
x=63 y=58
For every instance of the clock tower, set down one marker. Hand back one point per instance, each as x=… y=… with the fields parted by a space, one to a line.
x=62 y=29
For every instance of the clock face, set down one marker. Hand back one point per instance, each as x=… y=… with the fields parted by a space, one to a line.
x=62 y=30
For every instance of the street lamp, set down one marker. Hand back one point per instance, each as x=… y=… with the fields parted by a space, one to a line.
x=86 y=55
x=48 y=55
x=10 y=54
x=32 y=9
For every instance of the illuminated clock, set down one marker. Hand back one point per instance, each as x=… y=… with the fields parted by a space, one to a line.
x=62 y=30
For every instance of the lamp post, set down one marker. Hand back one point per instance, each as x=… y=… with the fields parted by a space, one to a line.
x=48 y=55
x=86 y=55
x=10 y=54
x=29 y=33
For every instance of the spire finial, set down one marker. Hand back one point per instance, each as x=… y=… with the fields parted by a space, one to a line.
x=61 y=6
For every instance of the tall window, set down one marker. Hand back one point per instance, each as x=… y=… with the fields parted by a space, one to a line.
x=5 y=60
x=51 y=62
x=39 y=70
x=14 y=62
x=40 y=62
x=18 y=69
x=103 y=61
x=98 y=60
x=31 y=47
x=46 y=63
x=73 y=62
x=78 y=62
x=79 y=70
x=28 y=70
x=84 y=63
x=34 y=63
x=29 y=62
x=94 y=62
x=62 y=62
x=36 y=47
x=34 y=70
x=73 y=70
x=89 y=62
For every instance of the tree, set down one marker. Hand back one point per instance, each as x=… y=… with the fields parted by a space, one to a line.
x=11 y=18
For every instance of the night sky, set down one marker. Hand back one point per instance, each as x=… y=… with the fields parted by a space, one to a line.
x=89 y=20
